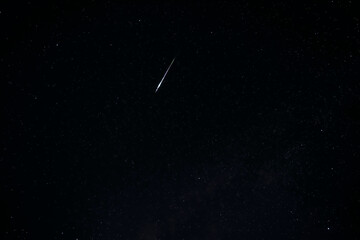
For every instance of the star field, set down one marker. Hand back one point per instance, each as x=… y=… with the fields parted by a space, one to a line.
x=254 y=133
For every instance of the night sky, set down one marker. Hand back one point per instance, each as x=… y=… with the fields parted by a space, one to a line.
x=253 y=134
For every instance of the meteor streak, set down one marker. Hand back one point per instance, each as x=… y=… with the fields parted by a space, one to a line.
x=164 y=75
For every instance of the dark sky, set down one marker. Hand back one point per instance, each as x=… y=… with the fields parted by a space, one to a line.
x=254 y=133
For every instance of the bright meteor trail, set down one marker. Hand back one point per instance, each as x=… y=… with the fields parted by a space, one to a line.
x=164 y=75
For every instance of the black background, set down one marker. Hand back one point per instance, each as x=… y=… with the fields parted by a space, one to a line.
x=254 y=133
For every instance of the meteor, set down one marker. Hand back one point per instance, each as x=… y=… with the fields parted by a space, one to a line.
x=164 y=75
